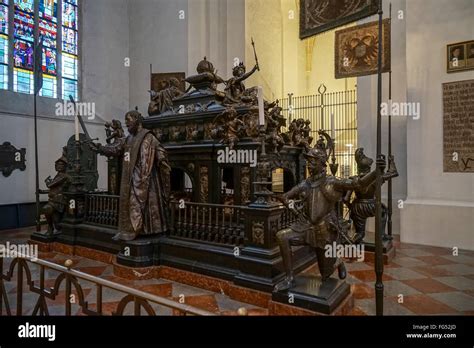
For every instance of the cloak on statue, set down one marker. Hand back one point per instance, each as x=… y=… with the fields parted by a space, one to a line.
x=144 y=189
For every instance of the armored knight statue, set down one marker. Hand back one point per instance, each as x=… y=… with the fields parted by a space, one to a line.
x=318 y=224
x=57 y=201
x=363 y=205
x=145 y=187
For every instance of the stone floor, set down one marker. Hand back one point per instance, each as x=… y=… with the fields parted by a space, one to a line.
x=420 y=280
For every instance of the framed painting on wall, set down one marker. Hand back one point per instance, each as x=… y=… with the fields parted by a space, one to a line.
x=460 y=56
x=356 y=50
x=317 y=16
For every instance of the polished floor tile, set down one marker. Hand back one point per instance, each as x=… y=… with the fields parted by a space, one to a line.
x=423 y=304
x=428 y=285
x=457 y=300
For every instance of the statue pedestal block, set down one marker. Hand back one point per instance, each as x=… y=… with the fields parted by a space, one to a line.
x=44 y=237
x=139 y=252
x=312 y=294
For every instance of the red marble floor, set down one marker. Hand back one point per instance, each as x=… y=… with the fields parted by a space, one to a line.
x=420 y=280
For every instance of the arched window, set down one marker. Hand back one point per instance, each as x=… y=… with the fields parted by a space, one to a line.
x=24 y=23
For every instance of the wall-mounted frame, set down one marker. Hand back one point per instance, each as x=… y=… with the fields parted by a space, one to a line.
x=11 y=158
x=356 y=50
x=317 y=16
x=460 y=56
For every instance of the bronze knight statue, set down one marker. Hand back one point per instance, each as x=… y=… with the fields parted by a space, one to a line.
x=363 y=205
x=318 y=224
x=57 y=201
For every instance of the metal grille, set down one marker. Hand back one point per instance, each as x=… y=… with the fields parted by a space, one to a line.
x=334 y=112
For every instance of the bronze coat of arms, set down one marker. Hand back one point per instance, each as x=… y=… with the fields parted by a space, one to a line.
x=356 y=50
x=317 y=16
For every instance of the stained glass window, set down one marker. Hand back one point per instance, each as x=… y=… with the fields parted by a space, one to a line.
x=49 y=87
x=69 y=40
x=3 y=19
x=48 y=9
x=69 y=15
x=24 y=25
x=23 y=54
x=48 y=32
x=69 y=64
x=69 y=48
x=23 y=21
x=69 y=88
x=49 y=61
x=25 y=5
x=23 y=81
x=3 y=49
x=3 y=76
x=3 y=44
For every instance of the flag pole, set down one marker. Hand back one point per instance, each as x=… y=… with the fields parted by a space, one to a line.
x=389 y=195
x=38 y=84
x=379 y=288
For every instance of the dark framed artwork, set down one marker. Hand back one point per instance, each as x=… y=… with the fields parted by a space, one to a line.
x=356 y=50
x=317 y=16
x=11 y=158
x=160 y=81
x=460 y=56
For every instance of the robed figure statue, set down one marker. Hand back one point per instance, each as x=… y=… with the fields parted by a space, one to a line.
x=145 y=185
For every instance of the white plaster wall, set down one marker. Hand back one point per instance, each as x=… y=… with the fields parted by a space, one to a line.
x=216 y=30
x=104 y=81
x=440 y=206
x=158 y=37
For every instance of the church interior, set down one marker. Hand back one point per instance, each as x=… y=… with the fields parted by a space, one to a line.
x=236 y=157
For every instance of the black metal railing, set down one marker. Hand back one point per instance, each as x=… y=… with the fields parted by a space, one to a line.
x=217 y=223
x=334 y=112
x=102 y=209
x=142 y=301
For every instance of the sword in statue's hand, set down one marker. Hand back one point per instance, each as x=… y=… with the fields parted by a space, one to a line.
x=255 y=55
x=81 y=121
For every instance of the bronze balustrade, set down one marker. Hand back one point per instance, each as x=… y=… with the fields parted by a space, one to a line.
x=102 y=209
x=217 y=223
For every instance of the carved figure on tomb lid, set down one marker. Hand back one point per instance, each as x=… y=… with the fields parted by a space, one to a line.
x=206 y=76
x=231 y=125
x=274 y=122
x=235 y=91
x=163 y=100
